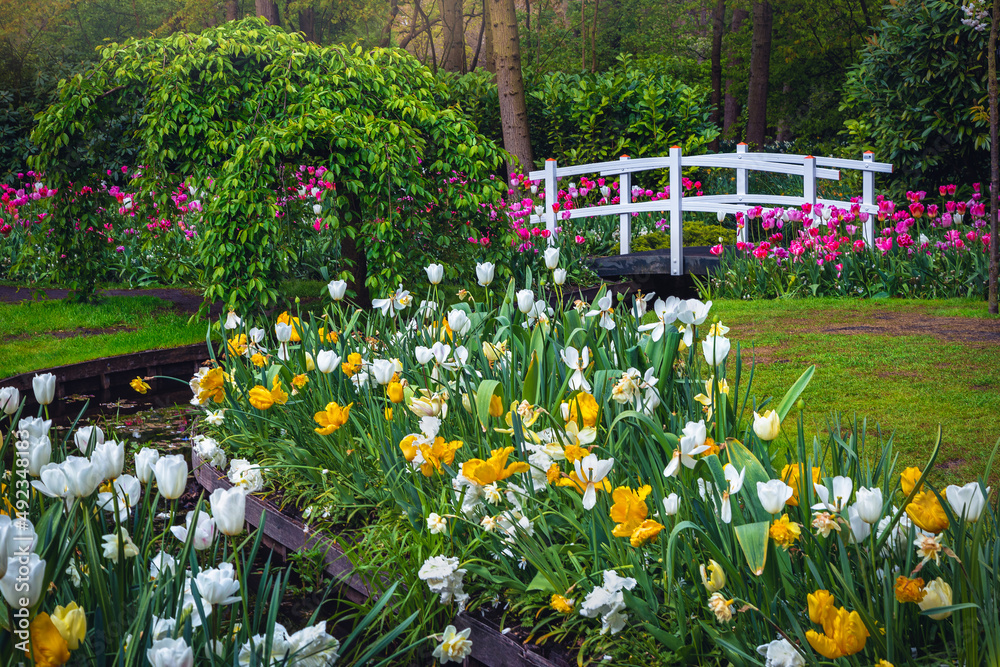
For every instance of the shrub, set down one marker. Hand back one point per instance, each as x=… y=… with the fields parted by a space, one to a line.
x=695 y=234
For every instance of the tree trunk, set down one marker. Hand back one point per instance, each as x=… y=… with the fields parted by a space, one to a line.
x=307 y=23
x=718 y=25
x=731 y=108
x=489 y=57
x=510 y=84
x=452 y=36
x=386 y=39
x=760 y=68
x=267 y=9
x=232 y=10
x=994 y=190
x=593 y=38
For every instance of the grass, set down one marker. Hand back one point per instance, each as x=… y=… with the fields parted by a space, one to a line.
x=43 y=334
x=906 y=366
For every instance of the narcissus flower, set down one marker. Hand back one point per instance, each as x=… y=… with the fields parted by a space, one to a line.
x=909 y=590
x=332 y=418
x=211 y=386
x=646 y=531
x=926 y=511
x=139 y=385
x=937 y=594
x=237 y=345
x=629 y=509
x=561 y=604
x=791 y=475
x=584 y=406
x=48 y=648
x=844 y=633
x=455 y=646
x=494 y=468
x=300 y=380
x=262 y=399
x=784 y=532
x=353 y=364
x=721 y=607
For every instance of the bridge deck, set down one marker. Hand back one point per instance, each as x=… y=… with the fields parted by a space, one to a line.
x=697 y=260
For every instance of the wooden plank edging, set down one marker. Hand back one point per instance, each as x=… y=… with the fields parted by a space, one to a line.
x=489 y=646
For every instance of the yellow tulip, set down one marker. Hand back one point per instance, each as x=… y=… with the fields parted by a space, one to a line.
x=493 y=469
x=261 y=398
x=139 y=385
x=71 y=622
x=394 y=390
x=717 y=581
x=936 y=594
x=908 y=478
x=629 y=509
x=332 y=418
x=925 y=510
x=48 y=648
x=496 y=406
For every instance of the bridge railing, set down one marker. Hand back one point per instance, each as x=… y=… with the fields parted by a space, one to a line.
x=808 y=167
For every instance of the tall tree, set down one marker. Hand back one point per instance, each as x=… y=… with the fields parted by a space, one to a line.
x=268 y=9
x=718 y=25
x=488 y=55
x=232 y=10
x=994 y=191
x=760 y=69
x=452 y=35
x=510 y=83
x=731 y=110
x=307 y=23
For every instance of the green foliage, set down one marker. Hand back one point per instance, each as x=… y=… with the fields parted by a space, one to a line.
x=232 y=109
x=914 y=93
x=695 y=234
x=638 y=108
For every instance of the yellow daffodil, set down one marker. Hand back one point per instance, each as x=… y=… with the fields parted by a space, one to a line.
x=300 y=380
x=713 y=578
x=48 y=648
x=926 y=511
x=552 y=474
x=713 y=448
x=706 y=398
x=494 y=468
x=908 y=479
x=212 y=386
x=629 y=509
x=261 y=398
x=353 y=364
x=561 y=604
x=332 y=418
x=139 y=385
x=436 y=454
x=646 y=531
x=285 y=318
x=331 y=337
x=493 y=351
x=791 y=475
x=258 y=360
x=584 y=406
x=71 y=622
x=237 y=345
x=784 y=532
x=909 y=590
x=574 y=453
x=844 y=633
x=883 y=663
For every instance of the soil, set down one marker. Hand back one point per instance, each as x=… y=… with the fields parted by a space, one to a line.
x=184 y=300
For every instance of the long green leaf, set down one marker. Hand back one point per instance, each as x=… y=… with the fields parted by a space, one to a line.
x=793 y=393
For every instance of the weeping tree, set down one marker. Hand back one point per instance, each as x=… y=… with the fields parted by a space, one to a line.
x=230 y=111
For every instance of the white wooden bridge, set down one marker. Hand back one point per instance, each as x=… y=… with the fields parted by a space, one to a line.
x=810 y=168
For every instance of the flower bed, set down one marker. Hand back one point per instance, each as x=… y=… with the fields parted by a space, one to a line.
x=606 y=481
x=922 y=249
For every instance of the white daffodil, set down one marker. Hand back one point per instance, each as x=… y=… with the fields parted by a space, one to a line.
x=604 y=310
x=691 y=444
x=591 y=471
x=666 y=314
x=734 y=480
x=842 y=489
x=577 y=361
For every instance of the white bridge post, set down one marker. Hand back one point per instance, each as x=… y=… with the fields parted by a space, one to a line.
x=551 y=198
x=809 y=185
x=742 y=185
x=868 y=197
x=676 y=221
x=625 y=220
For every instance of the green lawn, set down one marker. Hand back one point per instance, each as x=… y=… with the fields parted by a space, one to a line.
x=43 y=334
x=907 y=366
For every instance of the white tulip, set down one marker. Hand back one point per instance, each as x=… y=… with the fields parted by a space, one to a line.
x=781 y=653
x=459 y=322
x=435 y=273
x=110 y=458
x=720 y=216
x=715 y=349
x=327 y=361
x=525 y=301
x=671 y=504
x=16 y=537
x=551 y=258
x=127 y=494
x=35 y=426
x=85 y=434
x=559 y=276
x=485 y=273
x=171 y=476
x=21 y=584
x=283 y=332
x=144 y=462
x=39 y=454
x=82 y=476
x=229 y=509
x=767 y=426
x=773 y=495
x=218 y=585
x=869 y=504
x=10 y=399
x=317 y=209
x=337 y=289
x=383 y=370
x=967 y=501
x=860 y=529
x=170 y=653
x=204 y=530
x=693 y=311
x=233 y=320
x=44 y=386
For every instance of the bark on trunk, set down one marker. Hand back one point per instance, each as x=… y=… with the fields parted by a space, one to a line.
x=453 y=36
x=232 y=10
x=731 y=107
x=307 y=23
x=760 y=68
x=718 y=25
x=489 y=57
x=994 y=160
x=386 y=38
x=510 y=84
x=267 y=9
x=479 y=41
